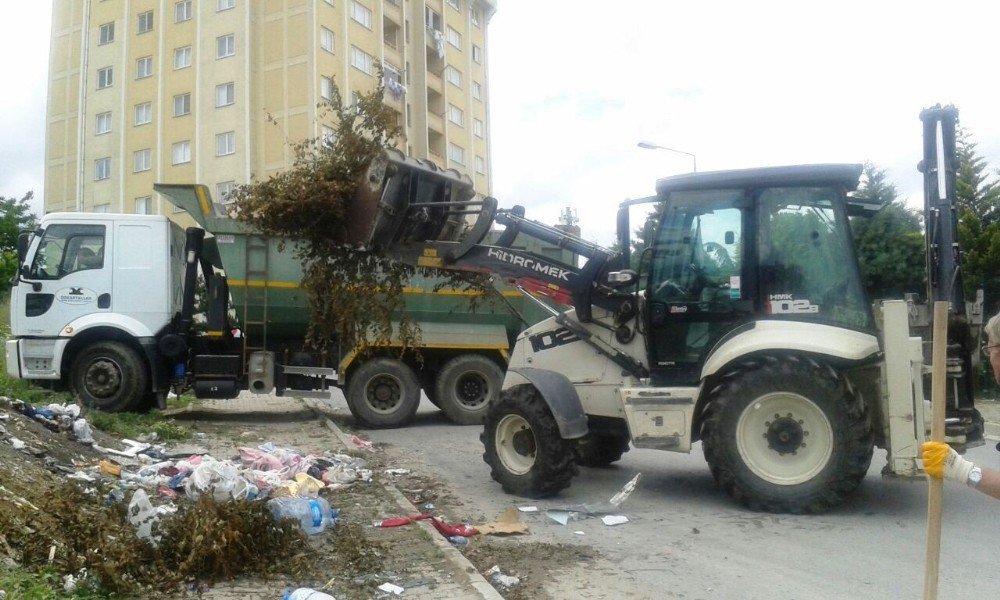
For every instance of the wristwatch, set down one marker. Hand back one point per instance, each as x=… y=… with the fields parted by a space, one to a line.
x=975 y=476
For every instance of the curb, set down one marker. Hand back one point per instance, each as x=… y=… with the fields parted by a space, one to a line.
x=463 y=571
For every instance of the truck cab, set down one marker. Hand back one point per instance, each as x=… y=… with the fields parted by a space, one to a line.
x=90 y=296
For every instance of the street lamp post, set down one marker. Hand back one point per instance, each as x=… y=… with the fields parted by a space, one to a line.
x=652 y=146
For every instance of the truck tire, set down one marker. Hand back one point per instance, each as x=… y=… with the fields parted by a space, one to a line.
x=110 y=376
x=466 y=386
x=787 y=434
x=523 y=448
x=600 y=450
x=383 y=393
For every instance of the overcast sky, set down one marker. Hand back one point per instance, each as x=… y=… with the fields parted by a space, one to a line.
x=575 y=85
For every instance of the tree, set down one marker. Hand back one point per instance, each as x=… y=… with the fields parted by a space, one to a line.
x=15 y=216
x=977 y=196
x=889 y=245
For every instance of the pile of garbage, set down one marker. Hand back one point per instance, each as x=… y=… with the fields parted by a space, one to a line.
x=126 y=516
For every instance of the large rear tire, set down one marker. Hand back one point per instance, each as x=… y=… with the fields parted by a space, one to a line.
x=523 y=448
x=787 y=434
x=466 y=386
x=383 y=393
x=110 y=376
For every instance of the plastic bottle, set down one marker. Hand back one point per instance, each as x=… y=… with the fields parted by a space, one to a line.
x=313 y=514
x=307 y=594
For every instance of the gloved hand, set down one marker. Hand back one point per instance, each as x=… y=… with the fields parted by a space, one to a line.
x=942 y=460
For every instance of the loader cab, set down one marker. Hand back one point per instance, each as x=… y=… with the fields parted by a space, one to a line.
x=736 y=247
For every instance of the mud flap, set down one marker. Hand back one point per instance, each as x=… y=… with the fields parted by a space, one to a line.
x=561 y=398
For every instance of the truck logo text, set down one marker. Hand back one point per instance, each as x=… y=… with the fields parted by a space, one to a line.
x=529 y=263
x=785 y=304
x=76 y=295
x=551 y=339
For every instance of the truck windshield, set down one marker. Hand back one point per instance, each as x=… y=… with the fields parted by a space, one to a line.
x=66 y=249
x=807 y=264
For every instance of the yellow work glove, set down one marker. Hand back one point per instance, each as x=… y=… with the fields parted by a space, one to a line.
x=941 y=460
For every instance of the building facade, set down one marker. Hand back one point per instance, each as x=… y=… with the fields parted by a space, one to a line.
x=217 y=91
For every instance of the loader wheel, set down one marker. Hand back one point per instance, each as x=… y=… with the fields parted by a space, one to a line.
x=596 y=450
x=465 y=387
x=110 y=376
x=524 y=450
x=383 y=393
x=787 y=434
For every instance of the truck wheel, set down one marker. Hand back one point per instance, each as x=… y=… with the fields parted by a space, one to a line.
x=524 y=450
x=109 y=376
x=596 y=450
x=383 y=392
x=465 y=387
x=787 y=434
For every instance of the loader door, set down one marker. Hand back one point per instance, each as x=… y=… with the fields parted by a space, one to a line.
x=698 y=288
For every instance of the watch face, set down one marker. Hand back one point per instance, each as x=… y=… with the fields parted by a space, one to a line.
x=975 y=476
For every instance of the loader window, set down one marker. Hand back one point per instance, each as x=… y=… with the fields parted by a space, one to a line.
x=807 y=265
x=66 y=249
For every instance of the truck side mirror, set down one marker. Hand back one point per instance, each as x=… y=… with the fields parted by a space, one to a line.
x=730 y=238
x=620 y=279
x=23 y=239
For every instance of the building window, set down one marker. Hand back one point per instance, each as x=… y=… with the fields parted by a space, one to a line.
x=182 y=57
x=454 y=37
x=107 y=33
x=142 y=160
x=144 y=22
x=105 y=77
x=144 y=67
x=480 y=165
x=225 y=143
x=433 y=19
x=181 y=153
x=182 y=105
x=182 y=11
x=477 y=128
x=225 y=94
x=329 y=135
x=455 y=4
x=102 y=208
x=103 y=123
x=225 y=46
x=143 y=113
x=477 y=90
x=222 y=191
x=456 y=154
x=326 y=39
x=144 y=205
x=361 y=13
x=477 y=54
x=474 y=13
x=102 y=168
x=227 y=4
x=453 y=75
x=361 y=60
x=326 y=88
x=455 y=115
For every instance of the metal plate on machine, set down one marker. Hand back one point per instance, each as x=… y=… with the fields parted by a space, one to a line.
x=658 y=418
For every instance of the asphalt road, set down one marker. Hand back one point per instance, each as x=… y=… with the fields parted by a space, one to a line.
x=686 y=539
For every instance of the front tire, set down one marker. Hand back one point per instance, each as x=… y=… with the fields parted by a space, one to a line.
x=787 y=434
x=110 y=376
x=526 y=454
x=466 y=386
x=383 y=393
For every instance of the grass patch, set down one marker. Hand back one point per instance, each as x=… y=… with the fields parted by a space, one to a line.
x=131 y=425
x=43 y=584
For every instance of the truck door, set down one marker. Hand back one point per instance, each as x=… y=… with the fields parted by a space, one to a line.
x=72 y=277
x=698 y=288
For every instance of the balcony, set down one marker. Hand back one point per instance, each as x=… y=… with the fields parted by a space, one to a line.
x=435 y=122
x=434 y=82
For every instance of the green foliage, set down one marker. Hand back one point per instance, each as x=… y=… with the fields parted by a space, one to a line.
x=889 y=245
x=353 y=294
x=131 y=425
x=978 y=198
x=15 y=215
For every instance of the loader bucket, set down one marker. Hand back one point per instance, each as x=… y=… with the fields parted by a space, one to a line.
x=403 y=200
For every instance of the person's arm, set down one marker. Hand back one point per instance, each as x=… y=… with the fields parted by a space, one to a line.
x=941 y=461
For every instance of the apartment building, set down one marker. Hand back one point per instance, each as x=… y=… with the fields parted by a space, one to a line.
x=217 y=91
